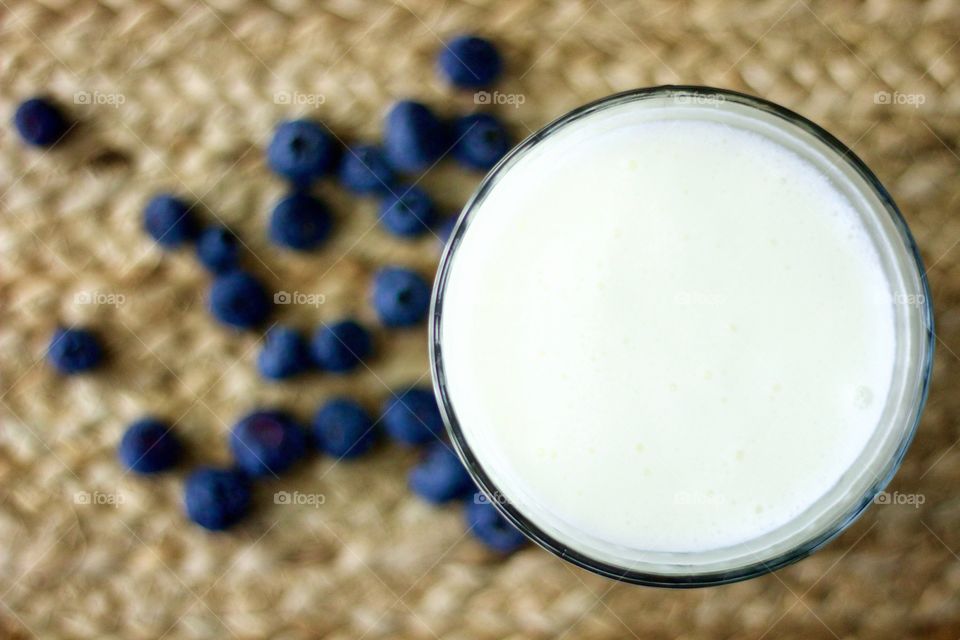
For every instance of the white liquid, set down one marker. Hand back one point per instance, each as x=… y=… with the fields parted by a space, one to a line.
x=666 y=334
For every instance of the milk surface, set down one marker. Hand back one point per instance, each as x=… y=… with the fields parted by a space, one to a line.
x=666 y=334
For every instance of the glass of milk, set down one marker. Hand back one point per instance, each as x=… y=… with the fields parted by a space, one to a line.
x=681 y=336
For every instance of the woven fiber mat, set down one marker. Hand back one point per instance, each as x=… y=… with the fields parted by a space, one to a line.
x=182 y=96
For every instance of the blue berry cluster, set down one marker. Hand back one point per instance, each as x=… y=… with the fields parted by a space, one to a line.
x=415 y=138
x=337 y=348
x=236 y=298
x=268 y=442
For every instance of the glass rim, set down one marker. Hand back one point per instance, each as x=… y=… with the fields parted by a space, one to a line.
x=704 y=578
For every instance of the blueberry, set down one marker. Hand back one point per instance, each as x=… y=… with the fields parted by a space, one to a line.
x=481 y=141
x=239 y=300
x=216 y=498
x=491 y=528
x=169 y=221
x=441 y=476
x=302 y=151
x=409 y=214
x=40 y=122
x=300 y=222
x=413 y=137
x=148 y=446
x=340 y=347
x=343 y=429
x=218 y=249
x=267 y=443
x=74 y=350
x=400 y=296
x=285 y=353
x=364 y=169
x=413 y=417
x=470 y=62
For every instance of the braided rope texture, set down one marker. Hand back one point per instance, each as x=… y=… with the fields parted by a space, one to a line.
x=181 y=95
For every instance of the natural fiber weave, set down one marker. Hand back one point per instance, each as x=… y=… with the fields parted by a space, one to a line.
x=198 y=82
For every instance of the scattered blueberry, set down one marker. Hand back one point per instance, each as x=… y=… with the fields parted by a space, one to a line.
x=400 y=296
x=285 y=354
x=148 y=446
x=302 y=151
x=441 y=476
x=481 y=141
x=470 y=62
x=300 y=221
x=216 y=498
x=74 y=350
x=267 y=443
x=342 y=428
x=364 y=169
x=40 y=122
x=340 y=347
x=169 y=221
x=239 y=300
x=491 y=528
x=409 y=214
x=413 y=417
x=218 y=249
x=413 y=137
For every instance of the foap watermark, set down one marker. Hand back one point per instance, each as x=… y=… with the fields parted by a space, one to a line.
x=909 y=299
x=702 y=99
x=897 y=98
x=98 y=499
x=99 y=298
x=482 y=498
x=299 y=99
x=314 y=500
x=99 y=98
x=496 y=97
x=909 y=499
x=299 y=298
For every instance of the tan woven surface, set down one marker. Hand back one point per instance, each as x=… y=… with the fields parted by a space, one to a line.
x=197 y=82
